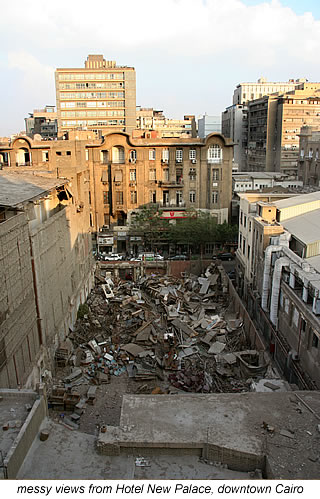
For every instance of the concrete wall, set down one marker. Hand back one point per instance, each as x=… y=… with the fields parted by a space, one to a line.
x=27 y=434
x=63 y=267
x=19 y=340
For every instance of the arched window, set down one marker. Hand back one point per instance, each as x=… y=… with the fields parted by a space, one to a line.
x=118 y=154
x=23 y=157
x=214 y=154
x=133 y=156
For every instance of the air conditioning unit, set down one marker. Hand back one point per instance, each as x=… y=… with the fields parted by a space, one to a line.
x=178 y=160
x=164 y=160
x=193 y=161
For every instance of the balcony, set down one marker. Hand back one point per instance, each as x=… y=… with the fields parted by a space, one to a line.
x=172 y=204
x=171 y=183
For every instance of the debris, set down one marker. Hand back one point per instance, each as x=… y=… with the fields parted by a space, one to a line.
x=286 y=433
x=44 y=435
x=142 y=462
x=217 y=347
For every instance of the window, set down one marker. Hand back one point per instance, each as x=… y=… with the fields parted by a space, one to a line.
x=244 y=221
x=192 y=196
x=133 y=156
x=165 y=155
x=250 y=226
x=215 y=174
x=192 y=173
x=58 y=153
x=165 y=175
x=179 y=155
x=179 y=198
x=119 y=197
x=104 y=176
x=315 y=340
x=133 y=196
x=104 y=156
x=192 y=154
x=45 y=156
x=133 y=175
x=153 y=197
x=87 y=155
x=244 y=246
x=152 y=154
x=118 y=154
x=214 y=154
x=152 y=174
x=118 y=176
x=105 y=197
x=68 y=153
x=215 y=196
x=106 y=219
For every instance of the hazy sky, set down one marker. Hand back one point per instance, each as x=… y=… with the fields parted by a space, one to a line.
x=188 y=54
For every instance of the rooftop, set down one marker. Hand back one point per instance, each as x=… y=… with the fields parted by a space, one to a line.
x=18 y=188
x=298 y=200
x=305 y=227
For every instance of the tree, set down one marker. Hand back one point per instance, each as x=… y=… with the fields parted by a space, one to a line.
x=149 y=223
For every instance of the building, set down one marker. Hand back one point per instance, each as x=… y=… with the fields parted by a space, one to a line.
x=46 y=270
x=118 y=174
x=100 y=97
x=279 y=277
x=208 y=124
x=42 y=122
x=257 y=181
x=149 y=119
x=309 y=162
x=274 y=124
x=248 y=91
x=234 y=124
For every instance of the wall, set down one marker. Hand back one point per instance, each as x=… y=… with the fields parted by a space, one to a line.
x=63 y=268
x=18 y=316
x=27 y=434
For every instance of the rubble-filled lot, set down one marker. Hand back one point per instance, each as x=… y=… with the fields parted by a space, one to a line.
x=158 y=335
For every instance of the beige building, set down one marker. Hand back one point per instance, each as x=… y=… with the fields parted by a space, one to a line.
x=46 y=271
x=249 y=91
x=149 y=119
x=115 y=176
x=309 y=161
x=279 y=278
x=274 y=124
x=100 y=97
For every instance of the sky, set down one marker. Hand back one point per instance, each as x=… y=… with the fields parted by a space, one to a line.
x=189 y=55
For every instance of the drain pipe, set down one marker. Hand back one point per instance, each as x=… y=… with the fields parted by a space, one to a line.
x=280 y=263
x=266 y=274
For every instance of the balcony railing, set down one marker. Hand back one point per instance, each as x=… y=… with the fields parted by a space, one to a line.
x=172 y=204
x=170 y=183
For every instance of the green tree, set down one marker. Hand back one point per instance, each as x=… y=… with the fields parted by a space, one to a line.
x=148 y=222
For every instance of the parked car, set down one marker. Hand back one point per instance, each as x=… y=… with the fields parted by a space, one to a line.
x=232 y=275
x=223 y=256
x=158 y=257
x=178 y=257
x=112 y=257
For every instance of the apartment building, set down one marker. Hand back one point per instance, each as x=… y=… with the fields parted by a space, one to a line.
x=149 y=119
x=100 y=97
x=42 y=122
x=234 y=124
x=248 y=91
x=255 y=181
x=116 y=175
x=280 y=278
x=46 y=271
x=274 y=124
x=309 y=162
x=209 y=124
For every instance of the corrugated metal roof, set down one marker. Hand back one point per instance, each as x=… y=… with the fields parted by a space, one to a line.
x=18 y=188
x=305 y=227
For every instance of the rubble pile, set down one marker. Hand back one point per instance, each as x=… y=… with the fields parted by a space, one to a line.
x=178 y=331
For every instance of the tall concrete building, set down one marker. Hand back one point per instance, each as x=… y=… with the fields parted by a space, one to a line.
x=274 y=124
x=234 y=123
x=309 y=161
x=208 y=124
x=100 y=97
x=249 y=91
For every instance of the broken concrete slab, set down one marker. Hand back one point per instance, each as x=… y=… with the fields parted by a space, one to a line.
x=217 y=347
